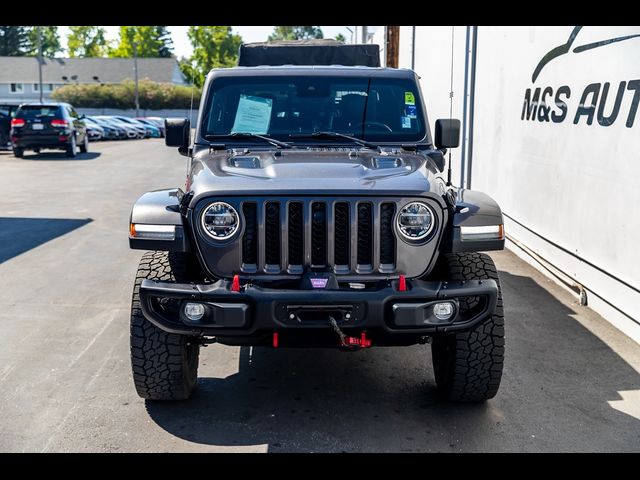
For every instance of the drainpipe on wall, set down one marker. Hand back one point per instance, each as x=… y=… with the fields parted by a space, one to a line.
x=413 y=48
x=472 y=92
x=465 y=98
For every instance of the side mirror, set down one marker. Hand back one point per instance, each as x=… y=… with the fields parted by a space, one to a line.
x=447 y=133
x=178 y=134
x=82 y=116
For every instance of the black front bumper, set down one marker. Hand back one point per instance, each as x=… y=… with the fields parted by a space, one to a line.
x=251 y=316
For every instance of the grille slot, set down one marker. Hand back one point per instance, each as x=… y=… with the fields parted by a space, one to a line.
x=250 y=237
x=296 y=234
x=387 y=240
x=365 y=235
x=342 y=228
x=318 y=234
x=272 y=234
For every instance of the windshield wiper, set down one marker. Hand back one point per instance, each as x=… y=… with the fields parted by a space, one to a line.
x=330 y=135
x=266 y=138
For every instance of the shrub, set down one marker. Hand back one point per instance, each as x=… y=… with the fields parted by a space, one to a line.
x=151 y=95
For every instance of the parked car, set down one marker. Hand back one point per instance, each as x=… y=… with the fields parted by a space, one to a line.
x=143 y=131
x=6 y=114
x=158 y=122
x=130 y=130
x=94 y=131
x=58 y=126
x=316 y=212
x=153 y=125
x=112 y=131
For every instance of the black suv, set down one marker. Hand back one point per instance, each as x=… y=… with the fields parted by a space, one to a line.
x=52 y=125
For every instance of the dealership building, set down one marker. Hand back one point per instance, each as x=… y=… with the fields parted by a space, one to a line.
x=551 y=130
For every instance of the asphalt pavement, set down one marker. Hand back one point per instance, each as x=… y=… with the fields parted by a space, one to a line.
x=571 y=380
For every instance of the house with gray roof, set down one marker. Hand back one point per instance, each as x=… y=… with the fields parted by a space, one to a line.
x=19 y=75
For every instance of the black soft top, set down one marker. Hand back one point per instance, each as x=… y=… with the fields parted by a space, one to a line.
x=308 y=52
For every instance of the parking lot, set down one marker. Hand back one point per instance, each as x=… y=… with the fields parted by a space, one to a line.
x=571 y=381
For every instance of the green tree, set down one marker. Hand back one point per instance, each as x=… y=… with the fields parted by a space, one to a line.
x=213 y=46
x=13 y=41
x=166 y=43
x=86 y=41
x=50 y=41
x=295 y=33
x=340 y=37
x=153 y=41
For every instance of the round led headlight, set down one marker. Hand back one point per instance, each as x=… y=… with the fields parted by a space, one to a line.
x=220 y=220
x=415 y=221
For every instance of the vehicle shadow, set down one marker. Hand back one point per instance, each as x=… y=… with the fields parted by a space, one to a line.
x=558 y=381
x=59 y=156
x=18 y=234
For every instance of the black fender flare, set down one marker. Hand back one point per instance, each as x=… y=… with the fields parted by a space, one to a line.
x=474 y=209
x=159 y=207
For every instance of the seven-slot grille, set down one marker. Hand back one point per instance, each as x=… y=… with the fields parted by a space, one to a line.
x=345 y=236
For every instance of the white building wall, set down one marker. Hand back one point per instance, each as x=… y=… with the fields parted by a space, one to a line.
x=433 y=65
x=572 y=188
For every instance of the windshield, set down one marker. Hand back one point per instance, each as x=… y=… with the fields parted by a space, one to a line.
x=29 y=112
x=375 y=109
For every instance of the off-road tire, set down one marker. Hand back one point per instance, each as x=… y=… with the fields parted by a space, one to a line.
x=165 y=365
x=71 y=148
x=468 y=365
x=18 y=152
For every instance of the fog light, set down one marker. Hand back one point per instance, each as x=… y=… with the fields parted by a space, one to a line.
x=444 y=310
x=194 y=311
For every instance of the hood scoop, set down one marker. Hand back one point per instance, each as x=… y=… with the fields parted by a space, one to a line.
x=386 y=162
x=245 y=161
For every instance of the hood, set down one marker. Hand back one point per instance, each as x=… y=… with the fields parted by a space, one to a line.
x=319 y=171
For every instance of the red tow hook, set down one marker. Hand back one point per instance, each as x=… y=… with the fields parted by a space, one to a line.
x=235 y=284
x=402 y=283
x=275 y=339
x=362 y=342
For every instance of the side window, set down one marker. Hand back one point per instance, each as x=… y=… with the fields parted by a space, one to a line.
x=72 y=112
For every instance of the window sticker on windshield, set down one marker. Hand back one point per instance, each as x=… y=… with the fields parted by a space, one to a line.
x=253 y=114
x=409 y=99
x=406 y=122
x=412 y=111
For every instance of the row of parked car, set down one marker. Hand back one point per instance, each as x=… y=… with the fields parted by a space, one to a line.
x=58 y=126
x=117 y=127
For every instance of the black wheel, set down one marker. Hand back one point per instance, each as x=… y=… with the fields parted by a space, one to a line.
x=165 y=365
x=18 y=152
x=468 y=365
x=84 y=148
x=72 y=147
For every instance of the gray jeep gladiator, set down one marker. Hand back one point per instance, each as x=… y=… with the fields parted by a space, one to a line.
x=316 y=213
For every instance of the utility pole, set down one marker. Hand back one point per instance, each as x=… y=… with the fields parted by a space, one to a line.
x=393 y=46
x=135 y=75
x=40 y=61
x=365 y=33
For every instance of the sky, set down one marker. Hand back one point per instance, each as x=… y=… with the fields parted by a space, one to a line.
x=182 y=47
